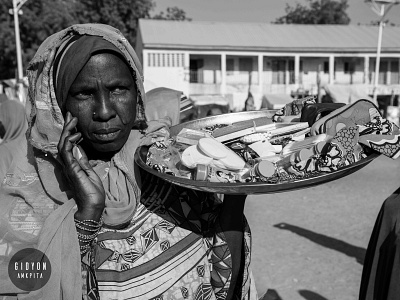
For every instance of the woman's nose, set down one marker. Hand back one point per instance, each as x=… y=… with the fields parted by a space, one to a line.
x=104 y=109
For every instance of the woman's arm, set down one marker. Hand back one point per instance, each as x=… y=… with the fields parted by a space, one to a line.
x=87 y=187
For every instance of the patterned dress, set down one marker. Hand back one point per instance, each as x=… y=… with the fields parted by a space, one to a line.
x=173 y=248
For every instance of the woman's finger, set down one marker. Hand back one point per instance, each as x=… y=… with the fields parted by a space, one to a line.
x=69 y=126
x=81 y=157
x=66 y=150
x=84 y=162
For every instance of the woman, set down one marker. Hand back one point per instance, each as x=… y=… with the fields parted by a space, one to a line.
x=13 y=120
x=130 y=236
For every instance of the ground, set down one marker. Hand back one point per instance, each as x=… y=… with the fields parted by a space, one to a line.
x=310 y=244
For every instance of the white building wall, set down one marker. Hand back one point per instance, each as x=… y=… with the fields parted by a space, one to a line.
x=170 y=68
x=165 y=69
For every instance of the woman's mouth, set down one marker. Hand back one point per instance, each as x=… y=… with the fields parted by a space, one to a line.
x=106 y=135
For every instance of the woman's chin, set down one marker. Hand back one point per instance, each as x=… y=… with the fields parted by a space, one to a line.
x=98 y=151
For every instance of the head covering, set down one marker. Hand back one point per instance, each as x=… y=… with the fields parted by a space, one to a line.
x=37 y=186
x=163 y=102
x=46 y=120
x=71 y=59
x=13 y=119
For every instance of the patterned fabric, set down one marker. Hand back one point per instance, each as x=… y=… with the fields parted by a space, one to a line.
x=172 y=249
x=292 y=109
x=378 y=125
x=388 y=145
x=382 y=136
x=358 y=113
x=342 y=150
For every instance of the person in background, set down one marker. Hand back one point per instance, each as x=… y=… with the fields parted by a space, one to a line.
x=249 y=103
x=87 y=206
x=2 y=132
x=215 y=111
x=381 y=271
x=14 y=124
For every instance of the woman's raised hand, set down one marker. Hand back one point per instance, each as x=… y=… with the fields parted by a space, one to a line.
x=85 y=183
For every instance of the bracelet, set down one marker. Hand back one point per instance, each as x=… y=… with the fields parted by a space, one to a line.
x=90 y=223
x=85 y=249
x=77 y=225
x=87 y=237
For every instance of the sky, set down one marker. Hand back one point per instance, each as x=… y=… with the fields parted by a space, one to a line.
x=264 y=10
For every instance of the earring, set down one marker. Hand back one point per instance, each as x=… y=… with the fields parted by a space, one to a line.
x=94 y=113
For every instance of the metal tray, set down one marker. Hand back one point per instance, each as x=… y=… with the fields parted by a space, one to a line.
x=244 y=188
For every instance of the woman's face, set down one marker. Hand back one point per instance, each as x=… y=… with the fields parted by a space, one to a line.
x=103 y=98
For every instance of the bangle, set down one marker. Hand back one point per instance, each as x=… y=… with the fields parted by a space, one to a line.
x=87 y=237
x=78 y=225
x=90 y=223
x=85 y=249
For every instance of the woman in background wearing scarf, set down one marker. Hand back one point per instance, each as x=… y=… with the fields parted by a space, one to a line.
x=13 y=120
x=87 y=207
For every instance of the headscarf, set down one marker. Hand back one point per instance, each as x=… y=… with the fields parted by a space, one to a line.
x=55 y=232
x=13 y=118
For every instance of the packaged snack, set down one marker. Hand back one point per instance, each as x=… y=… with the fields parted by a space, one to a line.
x=213 y=148
x=264 y=148
x=232 y=161
x=192 y=156
x=214 y=174
x=236 y=127
x=163 y=157
x=244 y=151
x=263 y=169
x=191 y=136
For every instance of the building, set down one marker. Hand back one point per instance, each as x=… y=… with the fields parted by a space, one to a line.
x=231 y=59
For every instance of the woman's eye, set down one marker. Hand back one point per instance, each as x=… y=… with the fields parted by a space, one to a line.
x=118 y=90
x=83 y=95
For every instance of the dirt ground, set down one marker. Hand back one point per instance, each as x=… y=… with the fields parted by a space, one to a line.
x=310 y=244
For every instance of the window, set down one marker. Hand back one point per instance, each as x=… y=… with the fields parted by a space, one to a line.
x=278 y=71
x=166 y=59
x=230 y=65
x=326 y=67
x=245 y=64
x=349 y=67
x=196 y=74
x=291 y=71
x=383 y=69
x=394 y=77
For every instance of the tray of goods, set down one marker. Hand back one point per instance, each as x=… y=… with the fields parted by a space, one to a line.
x=257 y=153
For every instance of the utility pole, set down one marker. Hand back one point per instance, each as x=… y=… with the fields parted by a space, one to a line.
x=378 y=6
x=17 y=4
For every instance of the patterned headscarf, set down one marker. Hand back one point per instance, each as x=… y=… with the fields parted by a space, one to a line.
x=78 y=43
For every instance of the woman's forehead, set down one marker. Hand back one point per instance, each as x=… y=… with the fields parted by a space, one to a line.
x=103 y=65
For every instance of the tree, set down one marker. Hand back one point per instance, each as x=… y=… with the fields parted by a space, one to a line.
x=42 y=18
x=173 y=13
x=121 y=14
x=39 y=19
x=318 y=12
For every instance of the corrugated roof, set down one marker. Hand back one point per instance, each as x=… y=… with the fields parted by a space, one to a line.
x=266 y=36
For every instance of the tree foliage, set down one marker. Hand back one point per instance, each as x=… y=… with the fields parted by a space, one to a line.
x=42 y=18
x=317 y=12
x=121 y=14
x=173 y=13
x=39 y=19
